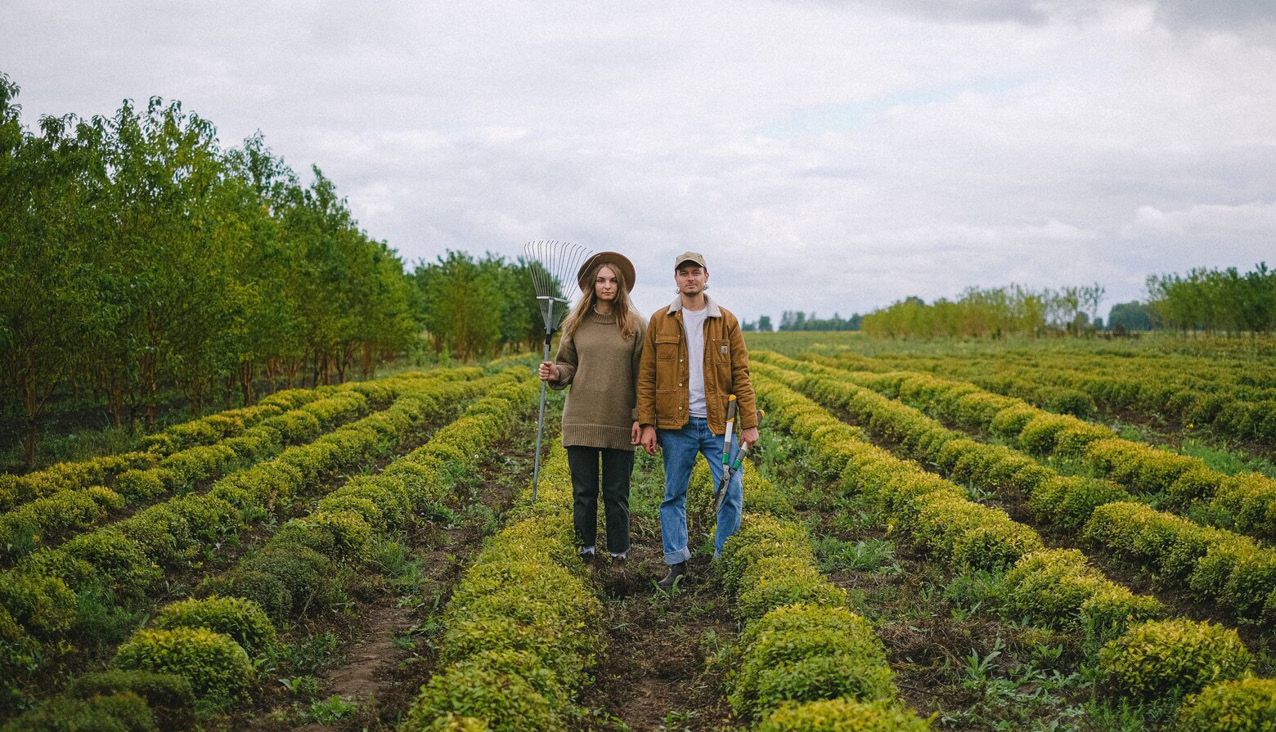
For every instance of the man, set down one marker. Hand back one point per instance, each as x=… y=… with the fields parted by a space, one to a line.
x=693 y=358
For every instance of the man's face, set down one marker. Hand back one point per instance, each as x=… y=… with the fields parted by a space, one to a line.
x=691 y=279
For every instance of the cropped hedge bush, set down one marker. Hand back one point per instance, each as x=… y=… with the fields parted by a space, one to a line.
x=970 y=535
x=217 y=668
x=120 y=561
x=772 y=582
x=506 y=702
x=241 y=619
x=1057 y=588
x=43 y=606
x=1170 y=658
x=842 y=715
x=308 y=577
x=168 y=696
x=339 y=536
x=267 y=590
x=122 y=712
x=1247 y=705
x=807 y=653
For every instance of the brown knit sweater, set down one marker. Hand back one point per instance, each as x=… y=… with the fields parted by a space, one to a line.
x=602 y=369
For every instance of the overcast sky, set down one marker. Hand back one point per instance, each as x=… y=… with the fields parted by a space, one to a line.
x=824 y=156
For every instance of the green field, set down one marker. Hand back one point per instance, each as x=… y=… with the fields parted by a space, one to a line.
x=980 y=535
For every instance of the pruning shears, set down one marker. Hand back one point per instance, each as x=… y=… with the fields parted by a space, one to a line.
x=729 y=467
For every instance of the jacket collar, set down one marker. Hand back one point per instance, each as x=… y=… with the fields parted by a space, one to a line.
x=714 y=311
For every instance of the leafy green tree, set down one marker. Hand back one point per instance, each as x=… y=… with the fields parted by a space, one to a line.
x=46 y=295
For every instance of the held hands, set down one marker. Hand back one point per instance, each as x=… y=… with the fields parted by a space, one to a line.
x=648 y=439
x=548 y=371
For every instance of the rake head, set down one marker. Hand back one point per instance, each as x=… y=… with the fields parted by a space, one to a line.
x=553 y=265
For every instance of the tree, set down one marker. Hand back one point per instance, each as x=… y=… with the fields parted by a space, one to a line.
x=46 y=291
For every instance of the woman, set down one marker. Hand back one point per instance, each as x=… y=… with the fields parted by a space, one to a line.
x=598 y=357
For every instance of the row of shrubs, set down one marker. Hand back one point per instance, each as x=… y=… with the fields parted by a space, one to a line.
x=45 y=521
x=1218 y=565
x=279 y=409
x=70 y=475
x=939 y=518
x=1244 y=502
x=519 y=636
x=804 y=660
x=1139 y=655
x=1207 y=396
x=204 y=648
x=120 y=565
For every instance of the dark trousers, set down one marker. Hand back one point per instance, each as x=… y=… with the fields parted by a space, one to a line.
x=617 y=465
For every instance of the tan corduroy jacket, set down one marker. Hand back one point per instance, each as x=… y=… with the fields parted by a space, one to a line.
x=663 y=397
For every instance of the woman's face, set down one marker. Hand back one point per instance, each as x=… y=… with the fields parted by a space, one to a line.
x=605 y=284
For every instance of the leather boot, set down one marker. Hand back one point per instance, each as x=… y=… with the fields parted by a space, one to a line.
x=675 y=571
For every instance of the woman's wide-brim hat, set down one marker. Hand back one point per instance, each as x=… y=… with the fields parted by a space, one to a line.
x=615 y=259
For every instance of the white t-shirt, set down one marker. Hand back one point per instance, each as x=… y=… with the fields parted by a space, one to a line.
x=693 y=321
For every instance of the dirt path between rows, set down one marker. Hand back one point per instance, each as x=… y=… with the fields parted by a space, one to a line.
x=657 y=671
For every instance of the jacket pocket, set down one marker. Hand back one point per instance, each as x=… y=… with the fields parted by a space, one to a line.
x=667 y=347
x=722 y=350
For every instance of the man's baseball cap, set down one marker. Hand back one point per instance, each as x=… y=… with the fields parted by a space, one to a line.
x=695 y=257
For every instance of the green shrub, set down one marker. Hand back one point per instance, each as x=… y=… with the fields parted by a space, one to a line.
x=760 y=537
x=18 y=650
x=1170 y=658
x=504 y=701
x=1058 y=589
x=564 y=650
x=1040 y=434
x=452 y=722
x=775 y=581
x=808 y=653
x=169 y=696
x=217 y=668
x=44 y=606
x=970 y=535
x=1009 y=422
x=1247 y=705
x=143 y=484
x=1067 y=502
x=56 y=564
x=123 y=712
x=339 y=536
x=308 y=576
x=842 y=715
x=243 y=620
x=118 y=559
x=267 y=590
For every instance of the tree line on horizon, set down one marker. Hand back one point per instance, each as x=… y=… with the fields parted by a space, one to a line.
x=1209 y=300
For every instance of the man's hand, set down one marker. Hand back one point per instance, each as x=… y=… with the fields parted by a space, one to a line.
x=749 y=436
x=549 y=372
x=635 y=433
x=648 y=439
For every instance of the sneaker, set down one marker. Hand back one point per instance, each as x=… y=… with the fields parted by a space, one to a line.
x=587 y=554
x=670 y=580
x=622 y=557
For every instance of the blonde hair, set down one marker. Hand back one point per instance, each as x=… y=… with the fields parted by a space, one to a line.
x=627 y=318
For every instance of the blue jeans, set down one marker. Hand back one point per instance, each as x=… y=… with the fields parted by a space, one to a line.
x=679 y=448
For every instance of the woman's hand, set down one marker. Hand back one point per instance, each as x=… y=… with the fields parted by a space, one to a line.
x=548 y=372
x=635 y=434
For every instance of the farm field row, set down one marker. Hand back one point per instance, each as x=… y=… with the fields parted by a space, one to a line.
x=1140 y=654
x=1242 y=502
x=1231 y=402
x=1001 y=625
x=58 y=600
